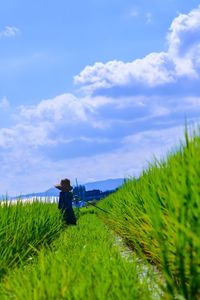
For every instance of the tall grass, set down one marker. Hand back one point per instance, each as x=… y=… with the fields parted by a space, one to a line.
x=23 y=229
x=158 y=215
x=84 y=263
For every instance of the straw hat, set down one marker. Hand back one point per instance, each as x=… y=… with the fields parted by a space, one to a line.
x=64 y=185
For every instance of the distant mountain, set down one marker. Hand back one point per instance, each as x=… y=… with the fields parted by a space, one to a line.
x=103 y=185
x=52 y=192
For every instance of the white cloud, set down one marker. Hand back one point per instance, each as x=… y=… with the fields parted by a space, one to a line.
x=157 y=142
x=135 y=153
x=35 y=124
x=96 y=101
x=9 y=31
x=4 y=104
x=20 y=145
x=136 y=122
x=184 y=43
x=66 y=108
x=152 y=70
x=181 y=59
x=25 y=135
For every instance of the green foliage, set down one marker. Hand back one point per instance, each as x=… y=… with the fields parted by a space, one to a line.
x=23 y=229
x=84 y=263
x=158 y=216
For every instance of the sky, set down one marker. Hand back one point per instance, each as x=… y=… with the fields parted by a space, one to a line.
x=94 y=89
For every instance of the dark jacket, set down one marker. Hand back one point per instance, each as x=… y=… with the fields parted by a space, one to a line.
x=65 y=200
x=65 y=205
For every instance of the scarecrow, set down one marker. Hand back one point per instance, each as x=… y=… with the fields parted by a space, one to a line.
x=65 y=201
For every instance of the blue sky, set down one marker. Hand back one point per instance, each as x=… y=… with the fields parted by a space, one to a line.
x=93 y=89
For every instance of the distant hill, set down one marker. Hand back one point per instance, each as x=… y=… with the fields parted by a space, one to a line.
x=103 y=185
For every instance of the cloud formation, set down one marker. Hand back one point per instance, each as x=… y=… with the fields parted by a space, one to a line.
x=9 y=31
x=152 y=70
x=64 y=107
x=127 y=113
x=184 y=43
x=156 y=69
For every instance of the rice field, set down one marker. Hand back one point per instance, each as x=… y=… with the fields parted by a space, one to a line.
x=83 y=263
x=156 y=216
x=24 y=229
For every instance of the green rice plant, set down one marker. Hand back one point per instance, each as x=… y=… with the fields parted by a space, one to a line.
x=23 y=229
x=158 y=215
x=84 y=263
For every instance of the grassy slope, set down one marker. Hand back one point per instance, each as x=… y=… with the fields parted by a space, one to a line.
x=84 y=263
x=158 y=215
